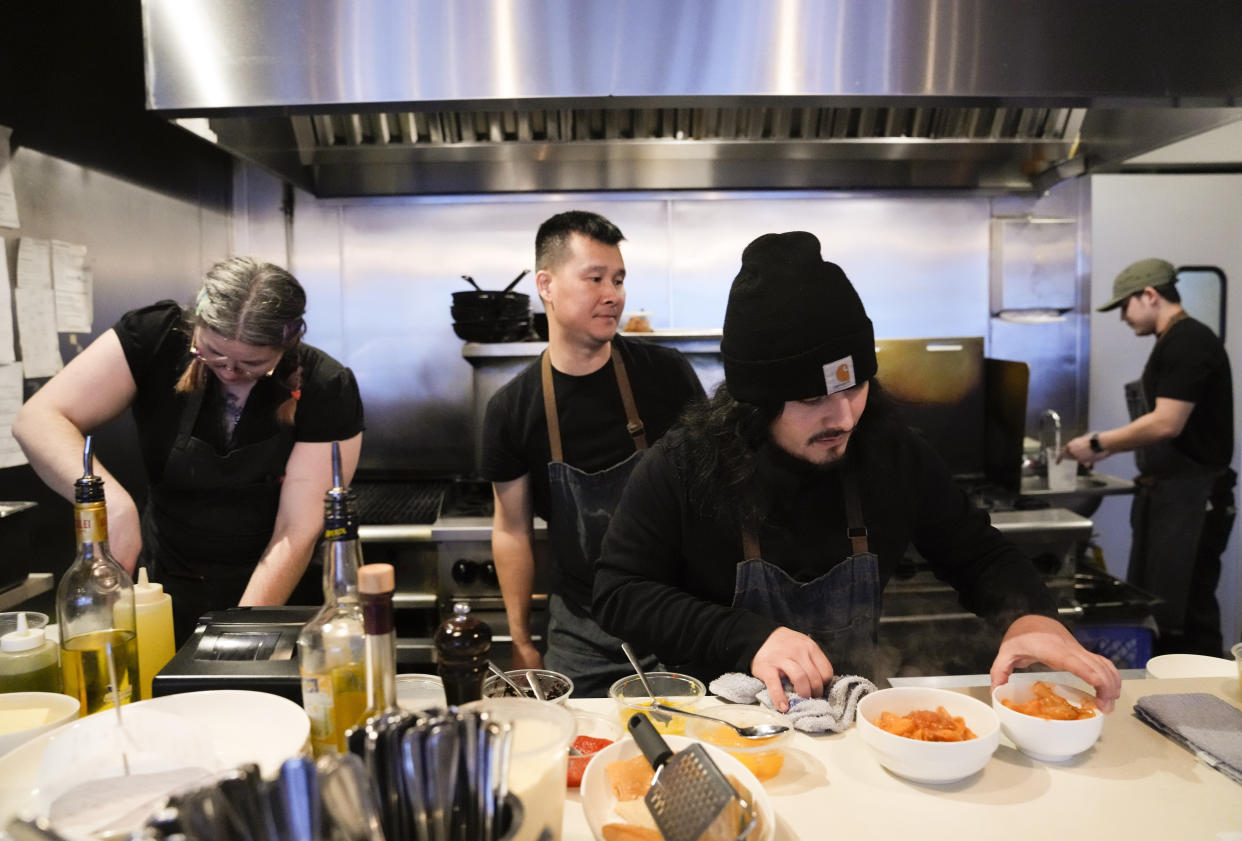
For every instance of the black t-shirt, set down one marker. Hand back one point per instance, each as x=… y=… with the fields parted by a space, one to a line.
x=665 y=579
x=158 y=352
x=1189 y=363
x=592 y=417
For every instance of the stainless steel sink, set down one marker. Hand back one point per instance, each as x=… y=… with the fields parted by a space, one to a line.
x=1089 y=490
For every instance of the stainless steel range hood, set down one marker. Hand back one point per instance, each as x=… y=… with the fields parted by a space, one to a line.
x=390 y=97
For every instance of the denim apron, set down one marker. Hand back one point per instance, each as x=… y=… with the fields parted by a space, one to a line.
x=840 y=609
x=1170 y=519
x=210 y=517
x=580 y=508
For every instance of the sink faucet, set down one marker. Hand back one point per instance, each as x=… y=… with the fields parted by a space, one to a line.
x=1049 y=416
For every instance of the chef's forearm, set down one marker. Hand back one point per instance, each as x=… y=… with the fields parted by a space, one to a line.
x=514 y=556
x=280 y=569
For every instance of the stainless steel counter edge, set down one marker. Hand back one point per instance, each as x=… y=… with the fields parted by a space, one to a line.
x=443 y=530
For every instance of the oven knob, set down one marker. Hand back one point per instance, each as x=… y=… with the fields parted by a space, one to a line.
x=489 y=574
x=464 y=572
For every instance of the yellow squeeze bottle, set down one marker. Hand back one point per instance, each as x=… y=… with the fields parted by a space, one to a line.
x=155 y=629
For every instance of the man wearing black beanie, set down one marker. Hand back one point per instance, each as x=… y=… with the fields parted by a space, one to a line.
x=758 y=537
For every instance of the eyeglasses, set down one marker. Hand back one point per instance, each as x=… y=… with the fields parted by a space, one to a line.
x=248 y=370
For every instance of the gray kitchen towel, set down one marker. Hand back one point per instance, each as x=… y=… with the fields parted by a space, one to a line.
x=832 y=713
x=1207 y=725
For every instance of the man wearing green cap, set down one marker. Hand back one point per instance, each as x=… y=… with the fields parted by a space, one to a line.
x=1181 y=432
x=758 y=537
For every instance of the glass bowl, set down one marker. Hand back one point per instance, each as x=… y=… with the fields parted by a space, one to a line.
x=592 y=733
x=764 y=757
x=556 y=686
x=671 y=688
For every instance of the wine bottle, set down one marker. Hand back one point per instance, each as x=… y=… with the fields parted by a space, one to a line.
x=332 y=645
x=375 y=586
x=95 y=608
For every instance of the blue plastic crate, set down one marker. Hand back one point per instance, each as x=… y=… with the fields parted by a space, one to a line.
x=1128 y=646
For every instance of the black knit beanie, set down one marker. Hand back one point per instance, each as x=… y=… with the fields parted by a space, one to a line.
x=794 y=327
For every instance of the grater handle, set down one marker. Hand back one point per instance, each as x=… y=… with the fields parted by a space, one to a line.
x=649 y=740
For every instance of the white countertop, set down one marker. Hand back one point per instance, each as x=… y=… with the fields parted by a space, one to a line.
x=1133 y=785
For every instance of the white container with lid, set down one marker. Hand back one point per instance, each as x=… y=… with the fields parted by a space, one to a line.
x=29 y=661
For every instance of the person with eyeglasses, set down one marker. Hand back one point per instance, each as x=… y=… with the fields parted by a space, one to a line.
x=235 y=416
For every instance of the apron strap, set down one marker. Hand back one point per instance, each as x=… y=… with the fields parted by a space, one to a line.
x=856 y=529
x=549 y=410
x=633 y=423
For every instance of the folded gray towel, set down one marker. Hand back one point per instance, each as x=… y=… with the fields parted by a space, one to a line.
x=1207 y=725
x=832 y=713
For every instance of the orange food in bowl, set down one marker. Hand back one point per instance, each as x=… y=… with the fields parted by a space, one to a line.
x=926 y=726
x=1048 y=704
x=764 y=764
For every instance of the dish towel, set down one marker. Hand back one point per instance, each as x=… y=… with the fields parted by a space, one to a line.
x=1207 y=725
x=832 y=713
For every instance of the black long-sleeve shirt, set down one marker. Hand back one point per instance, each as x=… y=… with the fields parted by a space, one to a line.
x=665 y=579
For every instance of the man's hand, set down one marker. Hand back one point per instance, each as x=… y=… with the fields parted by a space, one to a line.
x=526 y=656
x=1033 y=638
x=793 y=655
x=1080 y=450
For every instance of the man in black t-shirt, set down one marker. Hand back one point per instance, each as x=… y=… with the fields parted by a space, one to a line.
x=1181 y=430
x=560 y=440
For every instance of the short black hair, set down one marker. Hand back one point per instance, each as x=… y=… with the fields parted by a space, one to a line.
x=1169 y=292
x=552 y=238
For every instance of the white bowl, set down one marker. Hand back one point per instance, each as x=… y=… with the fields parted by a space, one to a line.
x=928 y=762
x=1190 y=665
x=51 y=709
x=1042 y=738
x=598 y=799
x=233 y=726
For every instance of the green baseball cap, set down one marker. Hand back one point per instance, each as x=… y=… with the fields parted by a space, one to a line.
x=1138 y=276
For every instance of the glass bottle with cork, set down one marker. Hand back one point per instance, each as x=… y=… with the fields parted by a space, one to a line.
x=95 y=608
x=375 y=585
x=332 y=645
x=463 y=644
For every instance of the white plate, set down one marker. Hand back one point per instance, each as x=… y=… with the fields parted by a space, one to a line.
x=229 y=727
x=1190 y=665
x=598 y=799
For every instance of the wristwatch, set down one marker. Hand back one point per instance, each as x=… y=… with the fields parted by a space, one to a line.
x=1094 y=442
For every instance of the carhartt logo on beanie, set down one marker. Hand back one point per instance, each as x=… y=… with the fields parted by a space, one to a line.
x=795 y=327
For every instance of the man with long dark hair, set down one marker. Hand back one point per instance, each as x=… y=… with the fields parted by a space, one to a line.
x=759 y=537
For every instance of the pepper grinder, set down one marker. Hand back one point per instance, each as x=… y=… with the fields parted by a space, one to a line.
x=462 y=646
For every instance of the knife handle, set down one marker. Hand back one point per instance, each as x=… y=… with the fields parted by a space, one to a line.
x=649 y=740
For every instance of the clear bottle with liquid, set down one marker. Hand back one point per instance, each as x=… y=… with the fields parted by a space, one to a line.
x=28 y=660
x=95 y=608
x=332 y=645
x=375 y=586
x=156 y=643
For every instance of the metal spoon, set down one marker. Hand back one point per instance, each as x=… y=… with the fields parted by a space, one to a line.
x=470 y=280
x=663 y=718
x=753 y=731
x=514 y=282
x=517 y=690
x=534 y=686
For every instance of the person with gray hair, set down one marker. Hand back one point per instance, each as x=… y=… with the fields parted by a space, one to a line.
x=1181 y=432
x=235 y=416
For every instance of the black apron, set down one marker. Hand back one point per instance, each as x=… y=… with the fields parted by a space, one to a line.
x=210 y=517
x=1167 y=520
x=840 y=609
x=580 y=508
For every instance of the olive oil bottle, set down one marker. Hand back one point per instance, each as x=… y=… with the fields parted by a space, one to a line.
x=95 y=608
x=332 y=645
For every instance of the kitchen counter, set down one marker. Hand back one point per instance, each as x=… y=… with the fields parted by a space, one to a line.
x=1134 y=784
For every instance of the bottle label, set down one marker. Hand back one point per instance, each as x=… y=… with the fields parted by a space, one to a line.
x=317 y=701
x=90 y=521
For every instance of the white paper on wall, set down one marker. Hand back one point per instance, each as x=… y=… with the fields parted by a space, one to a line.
x=11 y=454
x=34 y=263
x=69 y=278
x=8 y=353
x=8 y=195
x=36 y=326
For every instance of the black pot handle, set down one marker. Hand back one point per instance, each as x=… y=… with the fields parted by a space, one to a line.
x=649 y=740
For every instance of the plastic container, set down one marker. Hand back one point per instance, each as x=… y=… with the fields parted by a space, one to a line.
x=592 y=733
x=764 y=757
x=156 y=644
x=1237 y=658
x=29 y=661
x=418 y=692
x=1128 y=646
x=670 y=688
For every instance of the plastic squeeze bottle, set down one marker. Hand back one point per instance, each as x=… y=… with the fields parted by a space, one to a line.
x=29 y=662
x=156 y=645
